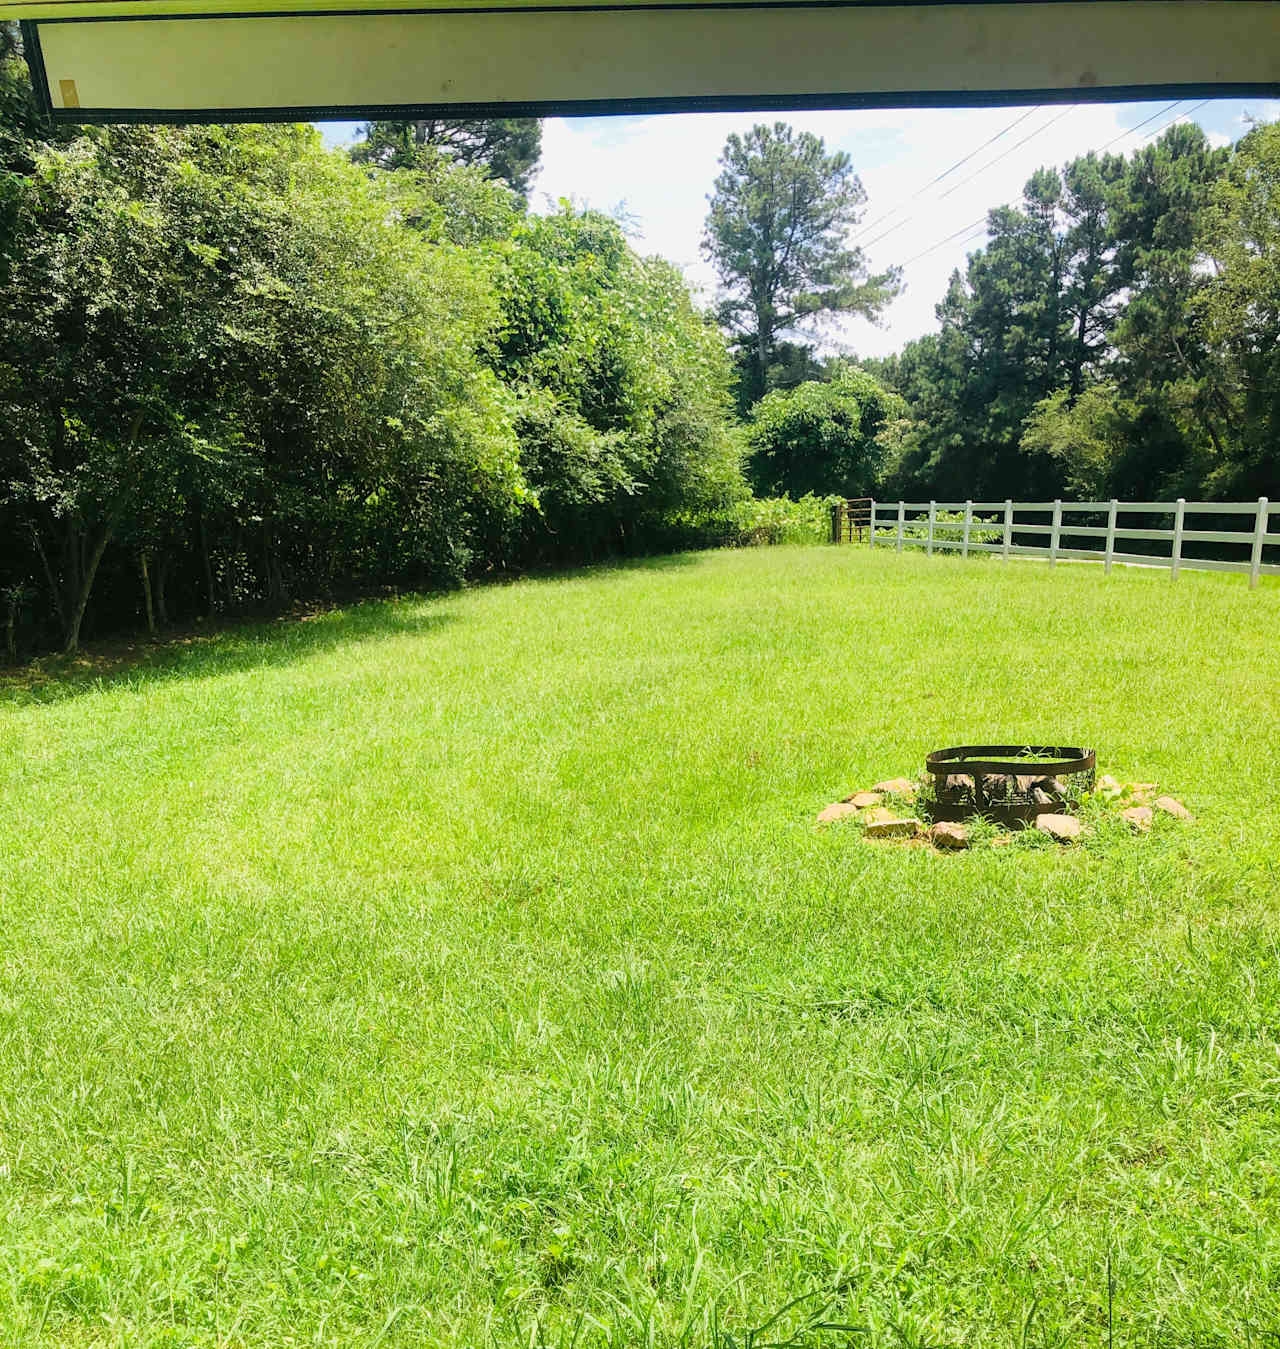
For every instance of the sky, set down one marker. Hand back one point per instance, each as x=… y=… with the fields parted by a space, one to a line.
x=656 y=172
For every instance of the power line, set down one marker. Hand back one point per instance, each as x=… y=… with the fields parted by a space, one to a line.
x=968 y=230
x=977 y=172
x=893 y=229
x=1181 y=117
x=964 y=229
x=1017 y=121
x=1124 y=135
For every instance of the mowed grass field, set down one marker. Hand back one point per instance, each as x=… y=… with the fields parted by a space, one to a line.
x=468 y=971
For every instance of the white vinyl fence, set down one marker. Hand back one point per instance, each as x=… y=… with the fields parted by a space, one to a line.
x=1095 y=529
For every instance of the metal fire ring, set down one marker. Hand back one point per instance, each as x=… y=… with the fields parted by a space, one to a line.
x=1002 y=779
x=1046 y=760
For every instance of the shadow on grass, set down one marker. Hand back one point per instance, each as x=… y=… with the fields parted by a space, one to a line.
x=619 y=566
x=204 y=653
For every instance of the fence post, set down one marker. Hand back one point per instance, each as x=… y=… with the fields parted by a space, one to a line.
x=837 y=523
x=1056 y=532
x=902 y=520
x=933 y=512
x=968 y=523
x=1008 y=527
x=1259 y=533
x=1178 y=513
x=871 y=528
x=1112 y=512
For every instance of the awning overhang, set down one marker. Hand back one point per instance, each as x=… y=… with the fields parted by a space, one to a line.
x=227 y=60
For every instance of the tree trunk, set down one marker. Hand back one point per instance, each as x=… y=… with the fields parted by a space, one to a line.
x=146 y=592
x=1076 y=387
x=272 y=574
x=762 y=360
x=80 y=601
x=162 y=579
x=208 y=566
x=55 y=590
x=10 y=630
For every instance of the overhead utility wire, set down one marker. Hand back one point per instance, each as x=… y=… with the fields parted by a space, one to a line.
x=893 y=229
x=977 y=172
x=964 y=229
x=1173 y=121
x=960 y=163
x=1115 y=140
x=967 y=228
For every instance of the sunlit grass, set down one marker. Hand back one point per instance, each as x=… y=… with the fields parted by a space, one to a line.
x=467 y=970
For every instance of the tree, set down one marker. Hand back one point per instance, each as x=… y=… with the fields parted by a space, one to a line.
x=507 y=148
x=622 y=387
x=822 y=438
x=104 y=354
x=1160 y=359
x=1237 y=312
x=1030 y=315
x=224 y=340
x=777 y=232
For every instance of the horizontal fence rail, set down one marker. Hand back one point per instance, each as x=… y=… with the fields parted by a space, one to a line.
x=1002 y=527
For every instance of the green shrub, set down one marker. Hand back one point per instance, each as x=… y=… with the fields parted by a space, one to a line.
x=781 y=520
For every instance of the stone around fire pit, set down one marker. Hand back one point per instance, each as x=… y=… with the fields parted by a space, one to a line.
x=896 y=787
x=1137 y=817
x=838 y=810
x=948 y=834
x=1173 y=807
x=861 y=800
x=884 y=824
x=1064 y=828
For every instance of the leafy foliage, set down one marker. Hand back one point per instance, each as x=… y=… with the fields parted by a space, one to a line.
x=1116 y=337
x=506 y=148
x=777 y=233
x=237 y=368
x=623 y=387
x=828 y=438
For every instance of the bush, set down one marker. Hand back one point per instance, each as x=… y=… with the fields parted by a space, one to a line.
x=948 y=526
x=822 y=437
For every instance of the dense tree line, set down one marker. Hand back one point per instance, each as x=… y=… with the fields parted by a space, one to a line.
x=1117 y=336
x=238 y=368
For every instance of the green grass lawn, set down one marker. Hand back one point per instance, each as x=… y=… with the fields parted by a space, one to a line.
x=468 y=971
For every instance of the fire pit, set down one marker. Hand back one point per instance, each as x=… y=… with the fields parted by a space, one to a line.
x=1011 y=784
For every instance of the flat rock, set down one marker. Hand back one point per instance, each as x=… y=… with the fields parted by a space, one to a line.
x=948 y=834
x=1106 y=783
x=1139 y=817
x=837 y=810
x=1065 y=828
x=1171 y=806
x=896 y=787
x=888 y=826
x=861 y=800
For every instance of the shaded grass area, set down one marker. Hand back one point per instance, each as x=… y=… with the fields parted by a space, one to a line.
x=469 y=971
